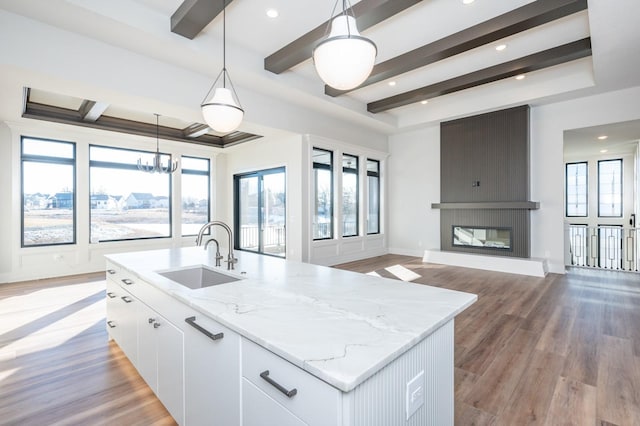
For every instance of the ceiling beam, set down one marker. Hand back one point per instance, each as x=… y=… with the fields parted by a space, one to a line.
x=193 y=15
x=367 y=12
x=521 y=19
x=92 y=110
x=195 y=130
x=114 y=124
x=546 y=58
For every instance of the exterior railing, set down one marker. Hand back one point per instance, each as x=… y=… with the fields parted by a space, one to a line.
x=604 y=247
x=273 y=236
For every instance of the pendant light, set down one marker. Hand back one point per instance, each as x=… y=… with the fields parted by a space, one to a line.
x=222 y=112
x=344 y=59
x=157 y=166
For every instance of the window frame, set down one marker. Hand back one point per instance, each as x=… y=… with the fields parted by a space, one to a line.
x=259 y=174
x=207 y=173
x=619 y=160
x=377 y=176
x=329 y=167
x=355 y=172
x=48 y=160
x=124 y=166
x=566 y=188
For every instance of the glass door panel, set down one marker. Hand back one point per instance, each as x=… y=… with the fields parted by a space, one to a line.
x=248 y=203
x=273 y=214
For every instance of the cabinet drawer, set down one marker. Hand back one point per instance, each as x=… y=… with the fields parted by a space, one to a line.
x=313 y=401
x=260 y=410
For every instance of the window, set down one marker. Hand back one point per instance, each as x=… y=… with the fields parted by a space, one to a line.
x=576 y=190
x=373 y=184
x=127 y=204
x=349 y=195
x=260 y=209
x=48 y=192
x=610 y=188
x=323 y=194
x=196 y=204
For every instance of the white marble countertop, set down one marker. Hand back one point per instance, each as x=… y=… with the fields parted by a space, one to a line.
x=340 y=326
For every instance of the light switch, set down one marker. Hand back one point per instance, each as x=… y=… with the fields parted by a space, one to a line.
x=415 y=394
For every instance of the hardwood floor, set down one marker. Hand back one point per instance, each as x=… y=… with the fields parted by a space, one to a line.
x=541 y=351
x=56 y=365
x=560 y=350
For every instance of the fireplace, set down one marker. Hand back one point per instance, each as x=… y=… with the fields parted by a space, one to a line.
x=482 y=237
x=484 y=184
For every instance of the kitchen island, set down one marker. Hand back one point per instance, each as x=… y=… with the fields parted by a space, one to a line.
x=305 y=344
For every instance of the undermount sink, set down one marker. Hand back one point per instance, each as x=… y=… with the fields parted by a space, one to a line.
x=199 y=276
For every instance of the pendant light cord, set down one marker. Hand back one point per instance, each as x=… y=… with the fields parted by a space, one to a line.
x=224 y=44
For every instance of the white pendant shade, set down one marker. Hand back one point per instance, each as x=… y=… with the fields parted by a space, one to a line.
x=222 y=112
x=344 y=59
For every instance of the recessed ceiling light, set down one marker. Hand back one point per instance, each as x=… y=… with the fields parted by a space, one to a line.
x=520 y=77
x=272 y=13
x=501 y=47
x=467 y=1
x=602 y=151
x=424 y=102
x=392 y=83
x=603 y=137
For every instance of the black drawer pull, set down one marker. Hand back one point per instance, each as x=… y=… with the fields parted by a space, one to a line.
x=127 y=281
x=111 y=271
x=192 y=322
x=290 y=393
x=111 y=324
x=127 y=299
x=111 y=295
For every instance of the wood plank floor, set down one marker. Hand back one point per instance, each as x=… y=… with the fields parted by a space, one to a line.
x=541 y=351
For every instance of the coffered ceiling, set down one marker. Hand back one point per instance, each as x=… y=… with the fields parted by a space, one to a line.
x=437 y=59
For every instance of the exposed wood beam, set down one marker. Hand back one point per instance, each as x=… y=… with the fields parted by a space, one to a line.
x=521 y=19
x=546 y=58
x=195 y=130
x=367 y=12
x=68 y=116
x=92 y=110
x=193 y=15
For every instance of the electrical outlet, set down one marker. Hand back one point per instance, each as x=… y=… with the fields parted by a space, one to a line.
x=415 y=394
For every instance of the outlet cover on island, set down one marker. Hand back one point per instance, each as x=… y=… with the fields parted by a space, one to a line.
x=415 y=394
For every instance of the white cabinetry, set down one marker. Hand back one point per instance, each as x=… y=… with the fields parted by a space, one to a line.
x=160 y=360
x=276 y=392
x=122 y=310
x=212 y=372
x=152 y=343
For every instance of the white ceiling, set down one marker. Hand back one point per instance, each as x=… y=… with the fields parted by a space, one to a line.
x=621 y=138
x=143 y=26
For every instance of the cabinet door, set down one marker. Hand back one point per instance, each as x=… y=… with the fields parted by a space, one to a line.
x=258 y=409
x=212 y=373
x=147 y=346
x=127 y=318
x=170 y=367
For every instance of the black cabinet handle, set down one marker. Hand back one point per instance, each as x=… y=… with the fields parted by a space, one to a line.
x=111 y=271
x=290 y=393
x=111 y=324
x=127 y=299
x=111 y=295
x=192 y=322
x=127 y=281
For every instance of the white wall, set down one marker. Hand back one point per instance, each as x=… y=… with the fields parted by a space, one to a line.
x=415 y=176
x=284 y=151
x=414 y=183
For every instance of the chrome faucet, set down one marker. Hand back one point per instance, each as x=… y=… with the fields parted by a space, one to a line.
x=231 y=260
x=218 y=255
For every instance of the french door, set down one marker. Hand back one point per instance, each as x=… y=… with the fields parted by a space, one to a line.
x=260 y=211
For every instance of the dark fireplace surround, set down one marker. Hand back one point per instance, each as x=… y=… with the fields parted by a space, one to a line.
x=484 y=184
